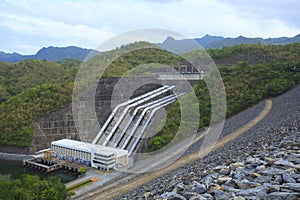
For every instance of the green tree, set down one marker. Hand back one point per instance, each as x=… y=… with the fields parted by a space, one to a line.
x=32 y=188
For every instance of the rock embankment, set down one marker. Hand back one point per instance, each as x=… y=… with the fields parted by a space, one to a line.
x=262 y=163
x=272 y=173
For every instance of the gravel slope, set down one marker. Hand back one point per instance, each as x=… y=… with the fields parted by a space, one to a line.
x=283 y=120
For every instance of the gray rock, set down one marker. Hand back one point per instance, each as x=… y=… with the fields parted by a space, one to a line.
x=236 y=164
x=250 y=160
x=278 y=179
x=257 y=191
x=243 y=184
x=200 y=188
x=221 y=195
x=272 y=171
x=269 y=160
x=282 y=162
x=225 y=170
x=262 y=154
x=272 y=148
x=215 y=175
x=207 y=180
x=293 y=186
x=260 y=168
x=262 y=179
x=230 y=189
x=239 y=170
x=257 y=163
x=197 y=197
x=157 y=197
x=172 y=196
x=218 y=168
x=223 y=179
x=238 y=198
x=201 y=197
x=230 y=183
x=147 y=195
x=285 y=190
x=208 y=196
x=294 y=158
x=286 y=178
x=289 y=141
x=281 y=196
x=237 y=176
x=189 y=195
x=180 y=186
x=248 y=170
x=272 y=187
x=295 y=176
x=214 y=187
x=279 y=154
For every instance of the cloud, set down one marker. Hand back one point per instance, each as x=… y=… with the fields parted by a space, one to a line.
x=31 y=30
x=287 y=11
x=88 y=23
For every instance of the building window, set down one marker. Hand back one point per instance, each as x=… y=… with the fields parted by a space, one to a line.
x=102 y=163
x=104 y=160
x=97 y=154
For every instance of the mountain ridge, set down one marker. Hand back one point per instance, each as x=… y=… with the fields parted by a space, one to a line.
x=51 y=54
x=178 y=46
x=217 y=42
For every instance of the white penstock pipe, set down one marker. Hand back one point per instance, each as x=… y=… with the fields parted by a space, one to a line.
x=105 y=125
x=122 y=133
x=111 y=133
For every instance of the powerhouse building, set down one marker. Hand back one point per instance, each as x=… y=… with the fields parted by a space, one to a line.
x=97 y=156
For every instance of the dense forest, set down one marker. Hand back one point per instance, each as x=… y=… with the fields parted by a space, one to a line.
x=250 y=73
x=245 y=85
x=33 y=88
x=32 y=187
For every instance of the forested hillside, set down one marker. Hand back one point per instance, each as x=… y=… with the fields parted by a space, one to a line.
x=245 y=85
x=18 y=77
x=32 y=187
x=33 y=88
x=250 y=73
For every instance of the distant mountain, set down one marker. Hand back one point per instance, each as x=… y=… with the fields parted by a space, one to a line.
x=221 y=42
x=12 y=57
x=218 y=42
x=50 y=54
x=207 y=39
x=175 y=46
x=179 y=46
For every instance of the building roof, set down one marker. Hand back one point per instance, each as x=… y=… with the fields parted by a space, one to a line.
x=88 y=147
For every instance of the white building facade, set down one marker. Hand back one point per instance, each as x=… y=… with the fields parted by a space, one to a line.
x=96 y=156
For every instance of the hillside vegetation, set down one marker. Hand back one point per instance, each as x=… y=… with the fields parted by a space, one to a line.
x=32 y=187
x=33 y=88
x=18 y=77
x=245 y=85
x=28 y=90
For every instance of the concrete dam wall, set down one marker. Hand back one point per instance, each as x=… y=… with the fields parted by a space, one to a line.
x=110 y=92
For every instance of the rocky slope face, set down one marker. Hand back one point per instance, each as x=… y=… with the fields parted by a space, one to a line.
x=272 y=173
x=263 y=163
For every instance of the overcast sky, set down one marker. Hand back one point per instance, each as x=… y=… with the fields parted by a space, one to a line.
x=26 y=26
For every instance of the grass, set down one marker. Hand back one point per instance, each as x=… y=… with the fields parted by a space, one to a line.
x=82 y=184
